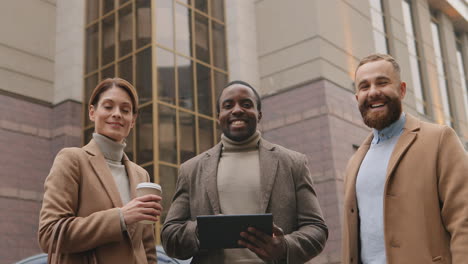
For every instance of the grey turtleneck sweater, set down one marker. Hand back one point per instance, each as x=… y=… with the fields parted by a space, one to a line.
x=239 y=187
x=113 y=153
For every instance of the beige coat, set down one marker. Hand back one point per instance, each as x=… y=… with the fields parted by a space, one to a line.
x=426 y=198
x=81 y=186
x=287 y=193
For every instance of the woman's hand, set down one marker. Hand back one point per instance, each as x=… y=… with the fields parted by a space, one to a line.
x=146 y=207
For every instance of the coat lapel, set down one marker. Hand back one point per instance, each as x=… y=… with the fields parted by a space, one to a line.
x=209 y=171
x=99 y=164
x=404 y=142
x=132 y=176
x=354 y=169
x=268 y=167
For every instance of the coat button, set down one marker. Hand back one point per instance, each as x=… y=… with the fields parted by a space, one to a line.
x=351 y=260
x=352 y=210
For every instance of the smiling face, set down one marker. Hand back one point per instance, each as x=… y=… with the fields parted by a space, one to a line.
x=238 y=115
x=113 y=116
x=379 y=93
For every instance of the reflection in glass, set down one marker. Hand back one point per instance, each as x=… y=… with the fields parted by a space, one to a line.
x=90 y=84
x=129 y=148
x=167 y=134
x=107 y=6
x=205 y=133
x=167 y=180
x=123 y=1
x=202 y=39
x=463 y=79
x=108 y=40
x=108 y=72
x=143 y=20
x=166 y=76
x=220 y=80
x=150 y=170
x=145 y=134
x=217 y=9
x=185 y=81
x=378 y=23
x=187 y=136
x=126 y=70
x=92 y=44
x=182 y=32
x=219 y=46
x=125 y=30
x=204 y=90
x=92 y=10
x=144 y=75
x=164 y=23
x=443 y=89
x=415 y=65
x=202 y=5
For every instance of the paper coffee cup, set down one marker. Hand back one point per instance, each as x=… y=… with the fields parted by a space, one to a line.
x=145 y=188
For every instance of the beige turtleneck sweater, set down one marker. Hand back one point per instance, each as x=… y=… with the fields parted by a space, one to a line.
x=113 y=153
x=239 y=187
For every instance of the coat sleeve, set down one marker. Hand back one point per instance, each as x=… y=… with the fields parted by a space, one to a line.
x=61 y=200
x=452 y=171
x=178 y=234
x=309 y=240
x=149 y=239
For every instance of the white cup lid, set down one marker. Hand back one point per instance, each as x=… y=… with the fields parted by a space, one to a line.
x=149 y=185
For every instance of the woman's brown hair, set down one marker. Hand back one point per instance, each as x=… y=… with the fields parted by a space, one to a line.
x=117 y=82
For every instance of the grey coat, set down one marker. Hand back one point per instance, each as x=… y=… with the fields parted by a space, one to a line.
x=287 y=193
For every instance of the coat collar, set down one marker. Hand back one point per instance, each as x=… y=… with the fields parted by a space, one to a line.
x=406 y=139
x=268 y=166
x=99 y=164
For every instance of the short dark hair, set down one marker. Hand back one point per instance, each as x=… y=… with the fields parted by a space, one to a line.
x=257 y=96
x=377 y=57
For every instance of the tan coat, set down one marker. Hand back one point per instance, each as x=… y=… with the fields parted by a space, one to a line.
x=426 y=198
x=80 y=185
x=287 y=193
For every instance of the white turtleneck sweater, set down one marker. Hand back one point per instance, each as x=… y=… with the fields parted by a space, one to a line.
x=113 y=153
x=239 y=187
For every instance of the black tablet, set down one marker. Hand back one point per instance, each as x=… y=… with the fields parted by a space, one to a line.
x=223 y=231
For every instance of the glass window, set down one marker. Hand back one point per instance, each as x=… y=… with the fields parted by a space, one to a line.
x=92 y=44
x=92 y=10
x=185 y=82
x=145 y=134
x=220 y=80
x=415 y=66
x=167 y=180
x=167 y=134
x=187 y=136
x=126 y=69
x=441 y=74
x=107 y=6
x=217 y=9
x=125 y=30
x=166 y=76
x=108 y=72
x=164 y=23
x=183 y=33
x=219 y=46
x=202 y=38
x=463 y=79
x=108 y=40
x=204 y=90
x=378 y=22
x=144 y=78
x=202 y=5
x=143 y=20
x=205 y=131
x=90 y=84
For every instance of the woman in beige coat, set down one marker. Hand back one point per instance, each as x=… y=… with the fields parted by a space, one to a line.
x=89 y=212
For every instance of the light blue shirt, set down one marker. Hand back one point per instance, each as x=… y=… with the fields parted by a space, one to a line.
x=370 y=186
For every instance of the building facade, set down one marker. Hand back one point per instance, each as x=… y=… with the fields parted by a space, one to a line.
x=300 y=55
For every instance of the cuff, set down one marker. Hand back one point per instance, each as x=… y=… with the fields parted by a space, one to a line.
x=123 y=226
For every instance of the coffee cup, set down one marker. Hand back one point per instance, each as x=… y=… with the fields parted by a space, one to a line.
x=145 y=188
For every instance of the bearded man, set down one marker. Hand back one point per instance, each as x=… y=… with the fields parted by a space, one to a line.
x=406 y=192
